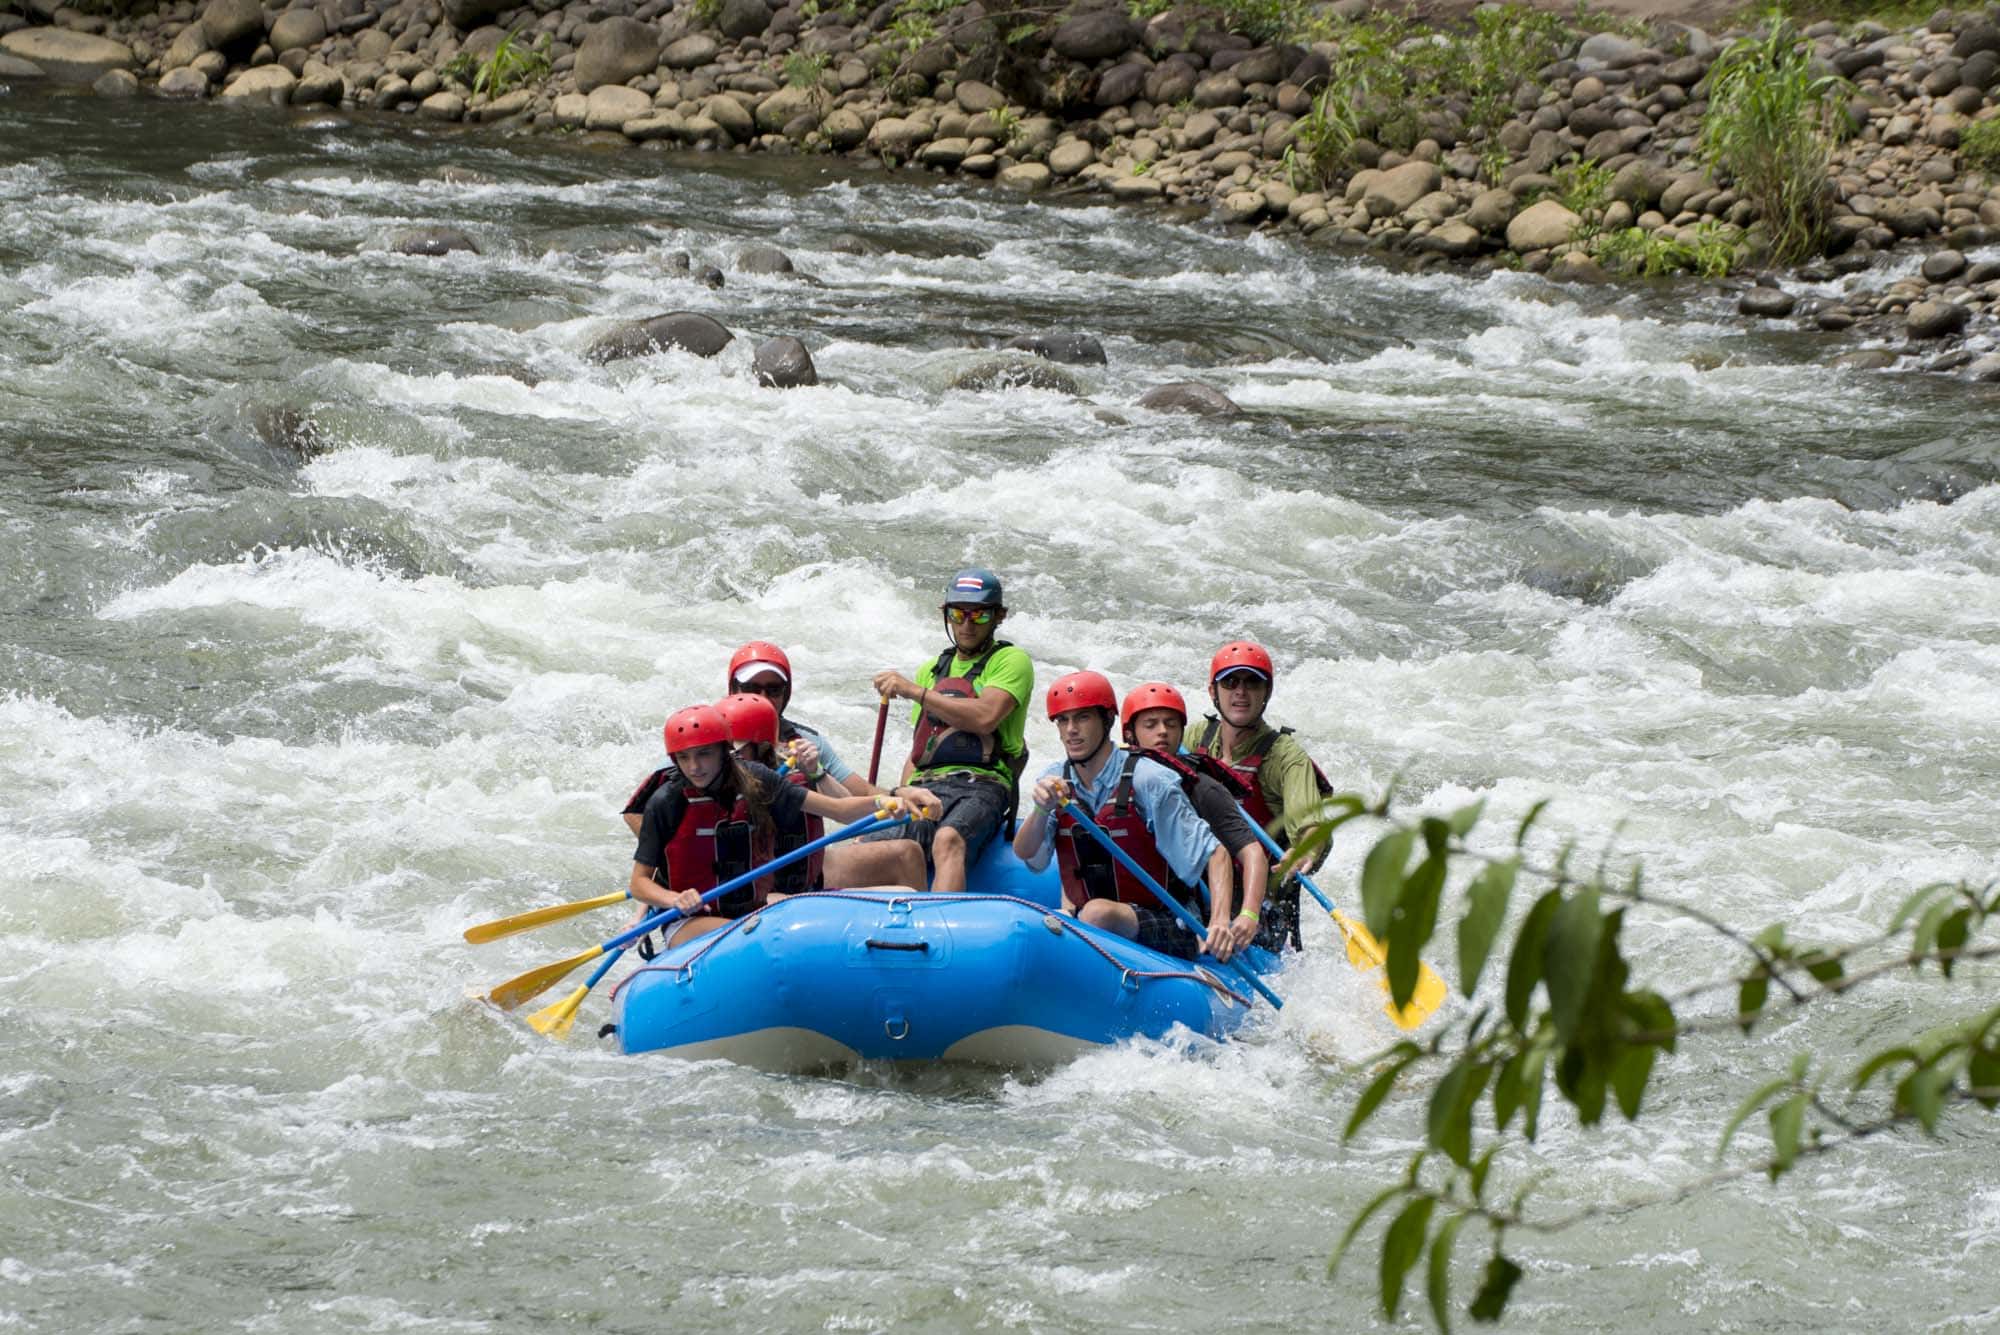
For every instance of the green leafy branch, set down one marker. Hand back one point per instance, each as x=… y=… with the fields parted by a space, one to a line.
x=1570 y=1015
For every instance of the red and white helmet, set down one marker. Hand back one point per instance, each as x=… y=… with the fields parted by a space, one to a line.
x=756 y=658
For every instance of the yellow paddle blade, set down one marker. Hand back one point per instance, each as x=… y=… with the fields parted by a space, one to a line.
x=1365 y=952
x=537 y=981
x=555 y=1021
x=481 y=933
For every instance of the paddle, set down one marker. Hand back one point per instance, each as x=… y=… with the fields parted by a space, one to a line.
x=481 y=933
x=875 y=756
x=534 y=982
x=1364 y=952
x=1188 y=920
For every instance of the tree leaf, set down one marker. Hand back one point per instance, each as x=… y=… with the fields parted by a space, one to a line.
x=1952 y=934
x=1448 y=1120
x=1437 y=1280
x=1524 y=968
x=1354 y=1225
x=1416 y=923
x=1378 y=1089
x=1491 y=1300
x=1916 y=900
x=1533 y=1078
x=1521 y=833
x=1463 y=819
x=1881 y=1061
x=1382 y=879
x=1921 y=1094
x=1823 y=966
x=1401 y=1246
x=1982 y=1072
x=1485 y=910
x=1788 y=1119
x=1630 y=1070
x=1750 y=998
x=1569 y=958
x=1758 y=1098
x=1480 y=1168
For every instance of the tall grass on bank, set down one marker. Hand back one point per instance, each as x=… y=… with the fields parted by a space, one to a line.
x=1770 y=127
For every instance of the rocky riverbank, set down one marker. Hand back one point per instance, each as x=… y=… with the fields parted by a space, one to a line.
x=1594 y=150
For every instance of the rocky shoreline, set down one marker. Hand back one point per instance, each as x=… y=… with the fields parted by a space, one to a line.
x=1177 y=109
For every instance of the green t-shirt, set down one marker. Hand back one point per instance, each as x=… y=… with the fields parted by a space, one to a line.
x=1286 y=776
x=1009 y=669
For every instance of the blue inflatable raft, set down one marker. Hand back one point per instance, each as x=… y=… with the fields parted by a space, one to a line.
x=994 y=977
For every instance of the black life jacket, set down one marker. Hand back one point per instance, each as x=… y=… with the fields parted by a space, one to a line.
x=938 y=745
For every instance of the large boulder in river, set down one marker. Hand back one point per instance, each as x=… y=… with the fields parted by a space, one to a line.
x=266 y=83
x=1190 y=396
x=1072 y=349
x=784 y=363
x=763 y=258
x=66 y=56
x=1541 y=226
x=297 y=27
x=432 y=241
x=1008 y=373
x=615 y=50
x=233 y=25
x=1936 y=319
x=683 y=330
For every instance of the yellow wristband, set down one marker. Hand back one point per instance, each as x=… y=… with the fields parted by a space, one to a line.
x=1251 y=915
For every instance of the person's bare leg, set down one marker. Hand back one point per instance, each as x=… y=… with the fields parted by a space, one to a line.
x=947 y=861
x=1112 y=916
x=897 y=862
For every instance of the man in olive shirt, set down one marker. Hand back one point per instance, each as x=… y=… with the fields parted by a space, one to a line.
x=970 y=746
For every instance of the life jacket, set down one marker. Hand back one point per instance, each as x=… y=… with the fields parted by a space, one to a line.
x=711 y=846
x=1088 y=870
x=938 y=745
x=809 y=874
x=1246 y=773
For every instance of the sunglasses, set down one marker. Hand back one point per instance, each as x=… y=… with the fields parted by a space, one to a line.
x=1240 y=681
x=771 y=690
x=958 y=616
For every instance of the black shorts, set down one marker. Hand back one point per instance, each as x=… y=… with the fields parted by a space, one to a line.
x=1162 y=931
x=975 y=807
x=1278 y=929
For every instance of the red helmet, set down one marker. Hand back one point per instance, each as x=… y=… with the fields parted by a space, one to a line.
x=1153 y=695
x=697 y=725
x=1241 y=656
x=751 y=718
x=1082 y=690
x=755 y=657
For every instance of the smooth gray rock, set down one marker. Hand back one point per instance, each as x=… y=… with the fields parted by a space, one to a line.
x=297 y=27
x=1069 y=349
x=784 y=363
x=615 y=50
x=690 y=52
x=1935 y=319
x=183 y=83
x=432 y=241
x=1944 y=266
x=1008 y=373
x=233 y=23
x=763 y=259
x=465 y=15
x=66 y=56
x=1768 y=303
x=743 y=18
x=1190 y=396
x=116 y=83
x=1095 y=36
x=684 y=331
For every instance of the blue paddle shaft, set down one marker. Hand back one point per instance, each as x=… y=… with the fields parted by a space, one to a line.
x=665 y=916
x=1173 y=905
x=1277 y=850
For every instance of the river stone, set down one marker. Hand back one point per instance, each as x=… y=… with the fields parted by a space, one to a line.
x=297 y=27
x=1070 y=158
x=784 y=363
x=743 y=18
x=682 y=330
x=1218 y=90
x=1866 y=359
x=1095 y=36
x=1007 y=373
x=946 y=153
x=1541 y=226
x=432 y=241
x=229 y=23
x=1393 y=191
x=318 y=85
x=1767 y=303
x=1976 y=36
x=786 y=105
x=183 y=83
x=190 y=42
x=1025 y=176
x=1607 y=50
x=65 y=56
x=1936 y=319
x=844 y=128
x=1944 y=265
x=1190 y=396
x=1130 y=189
x=975 y=97
x=1455 y=239
x=614 y=50
x=1070 y=349
x=1640 y=184
x=289 y=431
x=442 y=107
x=690 y=52
x=1985 y=370
x=608 y=107
x=734 y=118
x=1120 y=84
x=763 y=259
x=267 y=83
x=1491 y=210
x=116 y=83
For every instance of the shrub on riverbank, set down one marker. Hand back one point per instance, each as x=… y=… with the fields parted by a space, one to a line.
x=1771 y=126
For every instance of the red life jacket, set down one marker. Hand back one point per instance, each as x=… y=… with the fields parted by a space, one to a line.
x=710 y=847
x=938 y=745
x=1246 y=772
x=1088 y=870
x=807 y=875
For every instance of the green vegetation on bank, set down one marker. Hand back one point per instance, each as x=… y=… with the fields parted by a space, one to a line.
x=1570 y=1020
x=1771 y=125
x=510 y=65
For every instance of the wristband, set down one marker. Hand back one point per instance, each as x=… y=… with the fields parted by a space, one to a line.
x=1250 y=914
x=1046 y=811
